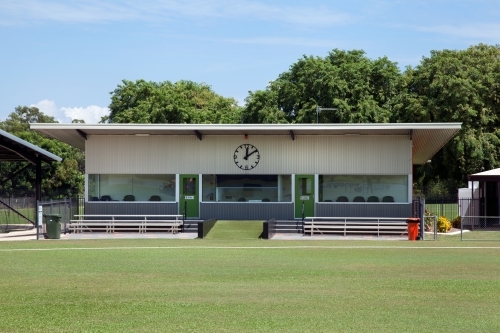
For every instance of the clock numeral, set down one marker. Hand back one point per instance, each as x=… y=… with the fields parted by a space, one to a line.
x=246 y=167
x=235 y=156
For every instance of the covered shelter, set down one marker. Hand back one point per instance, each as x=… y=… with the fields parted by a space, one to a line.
x=485 y=189
x=14 y=149
x=252 y=171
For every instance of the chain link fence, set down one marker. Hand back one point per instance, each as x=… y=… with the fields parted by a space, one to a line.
x=17 y=213
x=430 y=227
x=66 y=208
x=481 y=228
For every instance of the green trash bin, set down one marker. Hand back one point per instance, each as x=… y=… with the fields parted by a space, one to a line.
x=53 y=225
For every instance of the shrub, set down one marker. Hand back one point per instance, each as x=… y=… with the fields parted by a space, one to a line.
x=443 y=224
x=456 y=222
x=428 y=221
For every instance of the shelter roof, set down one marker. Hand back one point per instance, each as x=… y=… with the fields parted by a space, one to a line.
x=428 y=138
x=13 y=148
x=490 y=175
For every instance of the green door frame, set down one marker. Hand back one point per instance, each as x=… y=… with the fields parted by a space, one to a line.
x=304 y=195
x=189 y=188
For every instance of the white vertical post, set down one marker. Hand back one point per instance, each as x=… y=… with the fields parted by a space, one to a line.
x=316 y=189
x=39 y=222
x=177 y=186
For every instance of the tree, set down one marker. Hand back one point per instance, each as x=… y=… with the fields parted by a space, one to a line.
x=359 y=88
x=459 y=86
x=182 y=102
x=63 y=179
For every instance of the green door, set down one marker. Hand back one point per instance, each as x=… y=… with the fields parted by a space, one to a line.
x=188 y=192
x=304 y=195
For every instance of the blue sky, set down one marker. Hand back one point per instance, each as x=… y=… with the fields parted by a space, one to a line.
x=67 y=56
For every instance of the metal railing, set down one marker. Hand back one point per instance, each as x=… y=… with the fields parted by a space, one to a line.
x=366 y=225
x=67 y=208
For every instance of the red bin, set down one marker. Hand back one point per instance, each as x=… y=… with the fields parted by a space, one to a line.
x=413 y=224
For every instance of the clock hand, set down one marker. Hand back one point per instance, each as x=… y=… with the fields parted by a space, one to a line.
x=246 y=154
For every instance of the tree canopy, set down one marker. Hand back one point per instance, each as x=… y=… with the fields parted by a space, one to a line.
x=359 y=88
x=459 y=86
x=63 y=179
x=181 y=102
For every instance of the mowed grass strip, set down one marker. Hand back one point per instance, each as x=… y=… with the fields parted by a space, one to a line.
x=236 y=230
x=249 y=289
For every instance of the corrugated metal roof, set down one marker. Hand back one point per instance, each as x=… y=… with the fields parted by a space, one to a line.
x=428 y=138
x=13 y=148
x=490 y=175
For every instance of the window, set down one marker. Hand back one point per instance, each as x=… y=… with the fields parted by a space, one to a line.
x=131 y=187
x=363 y=188
x=247 y=188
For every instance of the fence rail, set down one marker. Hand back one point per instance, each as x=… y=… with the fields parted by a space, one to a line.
x=67 y=208
x=480 y=228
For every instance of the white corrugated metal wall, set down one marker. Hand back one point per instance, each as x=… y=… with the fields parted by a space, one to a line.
x=279 y=154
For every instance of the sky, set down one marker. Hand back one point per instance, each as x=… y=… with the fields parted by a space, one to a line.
x=66 y=57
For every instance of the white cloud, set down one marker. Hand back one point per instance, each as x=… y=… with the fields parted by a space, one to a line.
x=482 y=32
x=90 y=114
x=77 y=11
x=271 y=40
x=92 y=11
x=47 y=107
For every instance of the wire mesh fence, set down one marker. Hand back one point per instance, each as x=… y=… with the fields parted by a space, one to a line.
x=442 y=206
x=17 y=213
x=482 y=228
x=66 y=208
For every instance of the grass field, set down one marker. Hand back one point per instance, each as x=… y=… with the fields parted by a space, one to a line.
x=233 y=283
x=450 y=211
x=8 y=217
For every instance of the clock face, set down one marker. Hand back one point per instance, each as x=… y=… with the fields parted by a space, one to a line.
x=246 y=157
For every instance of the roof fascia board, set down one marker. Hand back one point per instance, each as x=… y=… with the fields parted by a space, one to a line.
x=29 y=146
x=229 y=127
x=15 y=150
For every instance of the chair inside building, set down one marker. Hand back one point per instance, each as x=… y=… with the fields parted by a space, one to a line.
x=129 y=197
x=388 y=198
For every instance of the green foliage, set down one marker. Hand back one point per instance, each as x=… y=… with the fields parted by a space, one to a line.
x=428 y=220
x=183 y=102
x=63 y=179
x=359 y=88
x=456 y=222
x=458 y=86
x=443 y=224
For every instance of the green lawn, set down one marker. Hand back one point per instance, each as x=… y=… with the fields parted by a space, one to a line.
x=450 y=211
x=236 y=230
x=249 y=285
x=9 y=217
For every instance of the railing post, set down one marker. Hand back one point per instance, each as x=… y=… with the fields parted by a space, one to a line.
x=303 y=217
x=462 y=229
x=435 y=227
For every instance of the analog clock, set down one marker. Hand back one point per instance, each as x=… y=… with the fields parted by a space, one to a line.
x=246 y=157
